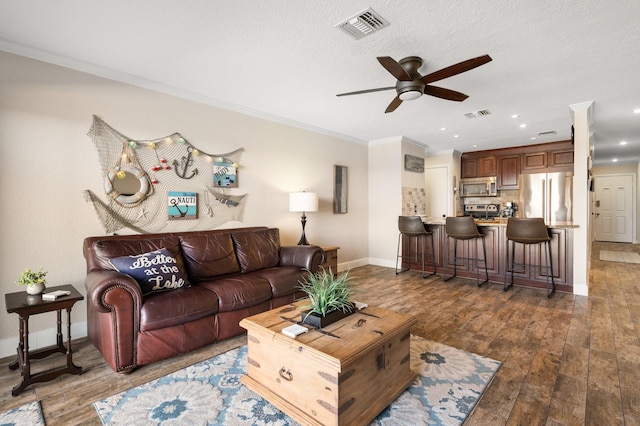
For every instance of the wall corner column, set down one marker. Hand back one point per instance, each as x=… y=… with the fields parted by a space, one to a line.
x=582 y=117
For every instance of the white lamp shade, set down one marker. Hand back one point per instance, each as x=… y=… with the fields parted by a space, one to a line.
x=303 y=202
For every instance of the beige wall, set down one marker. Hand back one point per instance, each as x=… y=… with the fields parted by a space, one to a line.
x=385 y=199
x=47 y=161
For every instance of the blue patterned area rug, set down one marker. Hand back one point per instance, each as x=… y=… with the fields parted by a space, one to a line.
x=449 y=384
x=26 y=415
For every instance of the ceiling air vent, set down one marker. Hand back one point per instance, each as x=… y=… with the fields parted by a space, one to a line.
x=475 y=114
x=363 y=23
x=549 y=133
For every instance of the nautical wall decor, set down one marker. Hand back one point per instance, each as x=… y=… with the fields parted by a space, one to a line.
x=143 y=177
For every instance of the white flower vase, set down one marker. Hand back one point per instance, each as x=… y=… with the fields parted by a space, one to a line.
x=34 y=289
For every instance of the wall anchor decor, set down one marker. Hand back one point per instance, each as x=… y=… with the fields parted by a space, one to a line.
x=138 y=181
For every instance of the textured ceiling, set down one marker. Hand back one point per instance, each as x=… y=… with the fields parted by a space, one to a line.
x=285 y=61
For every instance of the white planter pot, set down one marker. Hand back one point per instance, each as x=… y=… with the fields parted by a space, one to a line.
x=35 y=288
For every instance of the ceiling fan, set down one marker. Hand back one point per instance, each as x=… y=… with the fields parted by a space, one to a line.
x=411 y=85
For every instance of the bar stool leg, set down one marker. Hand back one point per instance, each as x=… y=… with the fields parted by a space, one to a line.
x=486 y=272
x=550 y=270
x=506 y=266
x=433 y=254
x=399 y=255
x=455 y=256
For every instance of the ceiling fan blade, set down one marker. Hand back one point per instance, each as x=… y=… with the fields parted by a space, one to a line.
x=359 y=92
x=456 y=69
x=394 y=68
x=448 y=94
x=395 y=103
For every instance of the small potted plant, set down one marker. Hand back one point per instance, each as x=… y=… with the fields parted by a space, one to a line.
x=34 y=280
x=329 y=298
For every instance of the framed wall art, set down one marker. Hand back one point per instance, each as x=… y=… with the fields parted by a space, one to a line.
x=182 y=205
x=225 y=175
x=340 y=189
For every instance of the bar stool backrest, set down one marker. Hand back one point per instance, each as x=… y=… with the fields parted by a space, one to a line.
x=411 y=225
x=461 y=228
x=530 y=230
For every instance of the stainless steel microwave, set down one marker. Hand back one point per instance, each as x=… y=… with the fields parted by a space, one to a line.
x=479 y=187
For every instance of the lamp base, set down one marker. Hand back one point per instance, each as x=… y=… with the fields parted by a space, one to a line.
x=303 y=239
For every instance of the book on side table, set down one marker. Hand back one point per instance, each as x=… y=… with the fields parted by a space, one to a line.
x=55 y=294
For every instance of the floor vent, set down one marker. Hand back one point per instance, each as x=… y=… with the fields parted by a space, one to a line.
x=480 y=113
x=549 y=133
x=363 y=24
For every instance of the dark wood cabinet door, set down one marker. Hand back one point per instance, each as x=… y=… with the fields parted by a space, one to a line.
x=560 y=159
x=492 y=242
x=536 y=161
x=508 y=172
x=487 y=166
x=469 y=168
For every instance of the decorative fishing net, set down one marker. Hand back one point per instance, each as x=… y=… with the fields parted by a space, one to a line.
x=139 y=174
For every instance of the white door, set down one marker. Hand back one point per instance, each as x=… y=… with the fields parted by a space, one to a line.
x=614 y=208
x=437 y=190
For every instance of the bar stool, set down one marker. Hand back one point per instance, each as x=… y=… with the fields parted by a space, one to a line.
x=465 y=229
x=529 y=231
x=413 y=227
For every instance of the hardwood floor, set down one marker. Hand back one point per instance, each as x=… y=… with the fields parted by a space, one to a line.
x=568 y=360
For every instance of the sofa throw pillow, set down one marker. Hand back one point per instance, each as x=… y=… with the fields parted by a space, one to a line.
x=155 y=271
x=257 y=249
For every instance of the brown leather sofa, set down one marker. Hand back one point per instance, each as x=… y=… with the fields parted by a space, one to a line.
x=233 y=273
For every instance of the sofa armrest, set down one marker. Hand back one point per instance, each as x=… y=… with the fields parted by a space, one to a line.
x=112 y=290
x=306 y=257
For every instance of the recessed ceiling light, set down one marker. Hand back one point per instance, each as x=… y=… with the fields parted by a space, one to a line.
x=636 y=111
x=533 y=138
x=623 y=142
x=522 y=126
x=443 y=128
x=474 y=146
x=514 y=116
x=456 y=136
x=615 y=160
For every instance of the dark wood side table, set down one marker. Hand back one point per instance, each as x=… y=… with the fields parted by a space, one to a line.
x=25 y=305
x=332 y=258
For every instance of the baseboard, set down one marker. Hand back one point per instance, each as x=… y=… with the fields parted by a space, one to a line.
x=382 y=262
x=41 y=338
x=345 y=266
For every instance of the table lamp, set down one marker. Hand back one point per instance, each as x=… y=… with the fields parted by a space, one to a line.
x=303 y=202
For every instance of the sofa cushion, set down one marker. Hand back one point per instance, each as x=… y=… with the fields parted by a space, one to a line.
x=109 y=248
x=239 y=291
x=208 y=256
x=284 y=280
x=155 y=271
x=257 y=249
x=161 y=310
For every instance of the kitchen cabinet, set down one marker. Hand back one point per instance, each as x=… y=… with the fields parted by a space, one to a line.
x=468 y=168
x=487 y=166
x=508 y=163
x=561 y=159
x=508 y=172
x=496 y=244
x=478 y=167
x=537 y=161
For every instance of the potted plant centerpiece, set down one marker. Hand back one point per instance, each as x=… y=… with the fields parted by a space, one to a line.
x=34 y=280
x=329 y=298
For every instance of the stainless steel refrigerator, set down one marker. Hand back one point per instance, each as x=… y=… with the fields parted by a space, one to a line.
x=546 y=195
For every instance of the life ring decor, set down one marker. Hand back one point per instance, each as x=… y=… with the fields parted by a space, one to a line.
x=127 y=200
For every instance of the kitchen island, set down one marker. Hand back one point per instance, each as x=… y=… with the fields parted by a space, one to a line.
x=496 y=242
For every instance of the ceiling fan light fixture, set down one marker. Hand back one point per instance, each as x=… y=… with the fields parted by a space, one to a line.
x=410 y=95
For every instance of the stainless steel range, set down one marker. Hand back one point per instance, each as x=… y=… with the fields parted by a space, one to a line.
x=482 y=211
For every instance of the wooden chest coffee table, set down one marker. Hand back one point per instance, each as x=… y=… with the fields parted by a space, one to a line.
x=343 y=374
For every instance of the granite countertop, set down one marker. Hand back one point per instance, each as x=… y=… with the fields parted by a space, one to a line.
x=498 y=222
